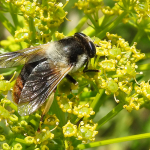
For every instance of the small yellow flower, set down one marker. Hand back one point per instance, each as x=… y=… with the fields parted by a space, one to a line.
x=69 y=129
x=86 y=131
x=51 y=120
x=144 y=89
x=45 y=12
x=107 y=11
x=59 y=36
x=108 y=65
x=18 y=146
x=1 y=77
x=22 y=35
x=133 y=103
x=13 y=118
x=17 y=129
x=44 y=147
x=83 y=111
x=2 y=138
x=112 y=86
x=29 y=140
x=5 y=146
x=65 y=104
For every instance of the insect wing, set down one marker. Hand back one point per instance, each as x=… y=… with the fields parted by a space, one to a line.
x=40 y=84
x=21 y=57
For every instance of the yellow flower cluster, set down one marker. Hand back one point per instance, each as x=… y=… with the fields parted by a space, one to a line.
x=41 y=19
x=83 y=111
x=85 y=131
x=74 y=107
x=118 y=68
x=89 y=6
x=140 y=98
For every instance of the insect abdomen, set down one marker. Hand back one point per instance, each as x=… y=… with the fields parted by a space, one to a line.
x=17 y=89
x=21 y=80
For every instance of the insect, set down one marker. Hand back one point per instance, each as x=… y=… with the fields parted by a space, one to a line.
x=44 y=67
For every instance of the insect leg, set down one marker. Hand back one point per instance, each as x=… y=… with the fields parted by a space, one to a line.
x=46 y=109
x=89 y=70
x=71 y=79
x=48 y=104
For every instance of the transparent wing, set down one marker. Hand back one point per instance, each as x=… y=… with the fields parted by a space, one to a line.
x=40 y=84
x=21 y=57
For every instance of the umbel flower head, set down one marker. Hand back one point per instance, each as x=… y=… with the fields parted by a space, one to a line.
x=120 y=62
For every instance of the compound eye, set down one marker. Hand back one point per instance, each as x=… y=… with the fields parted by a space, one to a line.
x=80 y=34
x=91 y=49
x=89 y=45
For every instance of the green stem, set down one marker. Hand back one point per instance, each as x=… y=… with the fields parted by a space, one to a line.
x=97 y=102
x=93 y=21
x=7 y=24
x=138 y=36
x=95 y=32
x=35 y=123
x=6 y=73
x=20 y=140
x=132 y=24
x=110 y=115
x=116 y=140
x=13 y=106
x=117 y=76
x=108 y=28
x=13 y=15
x=55 y=109
x=89 y=31
x=78 y=27
x=32 y=29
